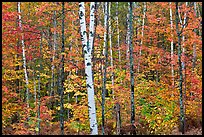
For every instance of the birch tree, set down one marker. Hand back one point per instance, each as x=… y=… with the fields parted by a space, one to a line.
x=111 y=50
x=180 y=70
x=194 y=45
x=172 y=46
x=87 y=48
x=53 y=52
x=24 y=55
x=131 y=67
x=38 y=76
x=143 y=23
x=118 y=32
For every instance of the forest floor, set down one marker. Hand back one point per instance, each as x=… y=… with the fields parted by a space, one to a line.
x=192 y=131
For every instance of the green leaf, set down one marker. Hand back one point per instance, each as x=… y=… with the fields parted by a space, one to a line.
x=36 y=129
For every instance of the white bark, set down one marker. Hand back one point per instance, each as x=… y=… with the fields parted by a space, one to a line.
x=118 y=32
x=53 y=56
x=105 y=25
x=24 y=56
x=183 y=37
x=35 y=95
x=111 y=50
x=88 y=63
x=194 y=45
x=172 y=46
x=141 y=42
x=127 y=40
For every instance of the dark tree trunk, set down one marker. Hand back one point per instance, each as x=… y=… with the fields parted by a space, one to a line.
x=180 y=72
x=131 y=69
x=61 y=79
x=104 y=91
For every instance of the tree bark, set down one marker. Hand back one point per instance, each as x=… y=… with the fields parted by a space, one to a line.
x=111 y=51
x=141 y=42
x=87 y=48
x=38 y=76
x=61 y=91
x=53 y=56
x=118 y=33
x=180 y=71
x=131 y=68
x=172 y=46
x=118 y=119
x=105 y=55
x=194 y=45
x=24 y=55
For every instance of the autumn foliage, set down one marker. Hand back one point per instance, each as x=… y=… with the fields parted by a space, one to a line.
x=156 y=99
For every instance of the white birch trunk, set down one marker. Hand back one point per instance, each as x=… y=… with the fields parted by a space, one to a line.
x=118 y=33
x=111 y=50
x=105 y=8
x=194 y=45
x=53 y=56
x=127 y=40
x=24 y=56
x=88 y=63
x=172 y=46
x=141 y=42
x=68 y=96
x=183 y=37
x=35 y=94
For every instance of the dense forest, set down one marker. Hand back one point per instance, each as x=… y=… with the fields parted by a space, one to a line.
x=106 y=68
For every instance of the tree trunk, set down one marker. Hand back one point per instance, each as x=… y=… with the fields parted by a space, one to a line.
x=143 y=22
x=131 y=68
x=172 y=46
x=24 y=56
x=118 y=118
x=111 y=50
x=180 y=71
x=105 y=55
x=127 y=40
x=40 y=69
x=87 y=48
x=62 y=76
x=53 y=56
x=17 y=56
x=118 y=32
x=194 y=45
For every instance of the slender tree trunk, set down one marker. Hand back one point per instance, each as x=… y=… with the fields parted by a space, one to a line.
x=141 y=42
x=62 y=76
x=172 y=46
x=38 y=113
x=127 y=40
x=68 y=97
x=17 y=56
x=118 y=119
x=118 y=33
x=105 y=55
x=53 y=56
x=180 y=71
x=194 y=45
x=35 y=94
x=183 y=62
x=24 y=56
x=131 y=68
x=111 y=50
x=197 y=14
x=40 y=69
x=87 y=47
